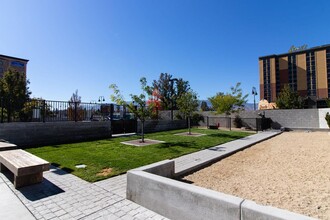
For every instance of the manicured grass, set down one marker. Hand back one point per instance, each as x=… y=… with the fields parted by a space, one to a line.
x=110 y=153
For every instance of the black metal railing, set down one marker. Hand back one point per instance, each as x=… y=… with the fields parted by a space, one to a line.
x=38 y=110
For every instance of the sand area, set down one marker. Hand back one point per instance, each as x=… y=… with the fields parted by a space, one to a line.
x=290 y=171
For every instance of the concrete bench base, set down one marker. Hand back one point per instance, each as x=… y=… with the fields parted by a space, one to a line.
x=27 y=168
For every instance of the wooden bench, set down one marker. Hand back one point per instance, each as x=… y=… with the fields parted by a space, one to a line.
x=27 y=168
x=6 y=146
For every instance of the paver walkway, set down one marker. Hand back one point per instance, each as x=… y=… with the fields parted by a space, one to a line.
x=64 y=196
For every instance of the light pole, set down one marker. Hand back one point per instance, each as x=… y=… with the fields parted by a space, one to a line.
x=101 y=99
x=172 y=93
x=254 y=93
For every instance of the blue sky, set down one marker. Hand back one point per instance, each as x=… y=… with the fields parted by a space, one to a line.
x=88 y=45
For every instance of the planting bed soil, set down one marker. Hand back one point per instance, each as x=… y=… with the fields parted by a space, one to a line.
x=290 y=171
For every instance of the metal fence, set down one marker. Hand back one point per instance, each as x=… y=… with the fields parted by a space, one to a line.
x=257 y=124
x=37 y=110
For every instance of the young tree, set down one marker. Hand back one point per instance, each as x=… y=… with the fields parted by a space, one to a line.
x=167 y=94
x=14 y=92
x=75 y=111
x=138 y=106
x=187 y=104
x=230 y=102
x=288 y=99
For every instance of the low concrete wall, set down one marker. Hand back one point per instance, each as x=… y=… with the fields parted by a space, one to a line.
x=38 y=134
x=252 y=211
x=161 y=125
x=289 y=118
x=178 y=200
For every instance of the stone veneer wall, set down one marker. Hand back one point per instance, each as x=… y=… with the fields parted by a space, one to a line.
x=38 y=134
x=162 y=125
x=289 y=118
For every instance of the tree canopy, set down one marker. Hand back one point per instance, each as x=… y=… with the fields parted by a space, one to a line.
x=14 y=91
x=187 y=104
x=230 y=102
x=289 y=99
x=164 y=87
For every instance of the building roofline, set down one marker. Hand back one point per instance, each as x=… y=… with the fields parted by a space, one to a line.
x=16 y=58
x=297 y=52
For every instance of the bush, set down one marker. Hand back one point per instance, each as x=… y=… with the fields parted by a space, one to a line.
x=196 y=118
x=238 y=122
x=327 y=118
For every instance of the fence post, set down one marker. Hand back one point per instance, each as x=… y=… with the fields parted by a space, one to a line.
x=44 y=111
x=111 y=118
x=75 y=111
x=229 y=120
x=1 y=109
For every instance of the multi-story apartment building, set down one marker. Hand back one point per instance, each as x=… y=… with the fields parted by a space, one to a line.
x=14 y=63
x=306 y=72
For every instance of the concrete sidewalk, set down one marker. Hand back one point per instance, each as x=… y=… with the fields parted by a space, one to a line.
x=11 y=208
x=64 y=196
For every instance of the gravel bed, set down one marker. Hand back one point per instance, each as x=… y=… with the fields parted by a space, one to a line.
x=290 y=171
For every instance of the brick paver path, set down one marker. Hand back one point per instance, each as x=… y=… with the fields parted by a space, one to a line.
x=64 y=196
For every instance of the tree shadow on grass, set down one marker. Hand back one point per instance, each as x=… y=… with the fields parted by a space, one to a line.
x=222 y=135
x=176 y=144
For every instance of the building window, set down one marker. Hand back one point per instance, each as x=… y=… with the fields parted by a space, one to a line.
x=292 y=69
x=266 y=74
x=277 y=74
x=311 y=77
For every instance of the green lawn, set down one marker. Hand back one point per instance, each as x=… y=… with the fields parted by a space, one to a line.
x=110 y=153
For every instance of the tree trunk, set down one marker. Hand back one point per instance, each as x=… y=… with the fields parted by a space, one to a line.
x=189 y=129
x=142 y=131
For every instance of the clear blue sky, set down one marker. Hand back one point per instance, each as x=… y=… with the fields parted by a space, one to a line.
x=88 y=45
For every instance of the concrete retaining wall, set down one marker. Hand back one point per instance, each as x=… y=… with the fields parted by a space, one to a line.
x=162 y=125
x=38 y=134
x=178 y=200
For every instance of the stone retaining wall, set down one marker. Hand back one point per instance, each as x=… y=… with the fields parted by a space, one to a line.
x=162 y=125
x=37 y=134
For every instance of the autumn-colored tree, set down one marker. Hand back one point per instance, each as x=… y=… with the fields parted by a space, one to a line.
x=170 y=89
x=75 y=111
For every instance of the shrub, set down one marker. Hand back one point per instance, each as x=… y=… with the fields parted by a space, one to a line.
x=196 y=118
x=238 y=122
x=327 y=118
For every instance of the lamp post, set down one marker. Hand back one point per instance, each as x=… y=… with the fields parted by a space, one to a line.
x=254 y=93
x=172 y=93
x=101 y=99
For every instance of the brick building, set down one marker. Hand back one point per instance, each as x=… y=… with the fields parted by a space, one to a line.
x=306 y=72
x=14 y=63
